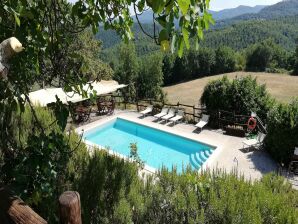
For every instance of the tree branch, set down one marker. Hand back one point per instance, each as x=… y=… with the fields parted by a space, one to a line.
x=147 y=34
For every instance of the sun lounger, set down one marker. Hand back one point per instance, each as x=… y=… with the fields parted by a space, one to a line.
x=203 y=122
x=147 y=111
x=179 y=116
x=256 y=143
x=163 y=112
x=169 y=115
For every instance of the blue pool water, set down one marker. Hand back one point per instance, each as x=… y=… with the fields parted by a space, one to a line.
x=156 y=148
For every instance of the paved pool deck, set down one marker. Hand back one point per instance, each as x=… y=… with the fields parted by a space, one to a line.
x=228 y=156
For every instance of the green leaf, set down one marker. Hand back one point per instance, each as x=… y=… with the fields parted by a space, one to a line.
x=180 y=47
x=156 y=5
x=163 y=35
x=196 y=43
x=169 y=7
x=200 y=33
x=17 y=19
x=184 y=5
x=165 y=45
x=162 y=20
x=185 y=37
x=141 y=5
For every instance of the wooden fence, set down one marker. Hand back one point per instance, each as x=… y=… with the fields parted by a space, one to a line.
x=193 y=112
x=219 y=118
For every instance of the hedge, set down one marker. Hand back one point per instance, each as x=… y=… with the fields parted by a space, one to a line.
x=241 y=95
x=282 y=126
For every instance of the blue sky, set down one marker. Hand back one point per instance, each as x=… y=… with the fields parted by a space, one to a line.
x=225 y=4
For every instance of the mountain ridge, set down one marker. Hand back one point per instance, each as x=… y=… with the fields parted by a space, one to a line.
x=281 y=9
x=146 y=17
x=233 y=12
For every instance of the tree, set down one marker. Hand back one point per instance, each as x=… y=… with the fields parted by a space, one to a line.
x=206 y=58
x=86 y=47
x=181 y=70
x=258 y=57
x=167 y=68
x=295 y=71
x=128 y=70
x=225 y=60
x=150 y=78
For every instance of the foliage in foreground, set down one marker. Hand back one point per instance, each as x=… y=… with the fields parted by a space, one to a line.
x=35 y=170
x=111 y=192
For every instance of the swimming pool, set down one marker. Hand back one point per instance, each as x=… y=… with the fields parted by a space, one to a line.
x=155 y=147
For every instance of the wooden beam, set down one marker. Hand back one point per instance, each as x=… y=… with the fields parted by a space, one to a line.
x=14 y=210
x=8 y=48
x=70 y=208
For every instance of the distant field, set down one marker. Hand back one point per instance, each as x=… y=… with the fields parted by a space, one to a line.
x=282 y=87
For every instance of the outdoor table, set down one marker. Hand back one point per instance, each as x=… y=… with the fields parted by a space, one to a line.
x=105 y=107
x=81 y=113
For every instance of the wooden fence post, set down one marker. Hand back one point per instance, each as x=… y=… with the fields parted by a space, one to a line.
x=194 y=111
x=14 y=210
x=70 y=208
x=137 y=104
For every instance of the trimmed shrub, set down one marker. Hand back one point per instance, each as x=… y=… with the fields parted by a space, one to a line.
x=282 y=129
x=241 y=95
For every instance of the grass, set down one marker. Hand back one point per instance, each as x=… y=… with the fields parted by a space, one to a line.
x=282 y=87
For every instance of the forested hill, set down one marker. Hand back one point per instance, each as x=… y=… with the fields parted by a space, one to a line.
x=110 y=38
x=284 y=31
x=281 y=9
x=279 y=22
